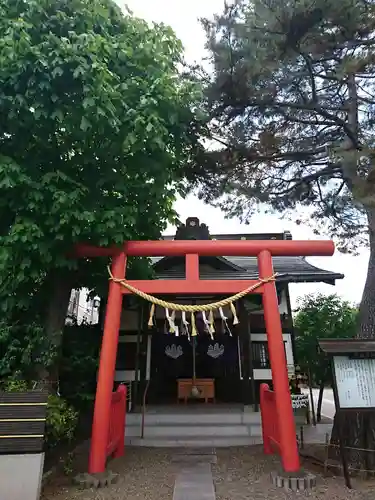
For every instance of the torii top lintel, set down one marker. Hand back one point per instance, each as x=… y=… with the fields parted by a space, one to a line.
x=212 y=248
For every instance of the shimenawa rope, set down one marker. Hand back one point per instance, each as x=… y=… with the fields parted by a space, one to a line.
x=192 y=308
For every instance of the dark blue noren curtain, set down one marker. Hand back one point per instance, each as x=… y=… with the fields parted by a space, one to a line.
x=217 y=356
x=173 y=355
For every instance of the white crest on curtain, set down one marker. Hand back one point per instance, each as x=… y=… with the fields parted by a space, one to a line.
x=173 y=351
x=215 y=351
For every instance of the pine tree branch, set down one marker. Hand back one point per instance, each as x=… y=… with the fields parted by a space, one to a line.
x=252 y=155
x=308 y=179
x=239 y=106
x=312 y=77
x=355 y=44
x=340 y=188
x=321 y=111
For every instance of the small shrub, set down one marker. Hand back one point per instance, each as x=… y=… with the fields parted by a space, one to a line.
x=61 y=422
x=14 y=385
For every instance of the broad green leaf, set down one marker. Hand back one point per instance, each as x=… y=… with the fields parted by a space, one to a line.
x=85 y=124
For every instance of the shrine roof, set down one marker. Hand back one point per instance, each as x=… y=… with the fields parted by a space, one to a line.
x=291 y=269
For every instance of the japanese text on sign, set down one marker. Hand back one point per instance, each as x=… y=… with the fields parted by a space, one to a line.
x=355 y=380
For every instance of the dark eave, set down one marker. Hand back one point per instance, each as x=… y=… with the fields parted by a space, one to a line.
x=291 y=270
x=161 y=264
x=245 y=236
x=346 y=346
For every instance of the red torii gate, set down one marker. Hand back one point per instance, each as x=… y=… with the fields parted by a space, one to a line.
x=191 y=250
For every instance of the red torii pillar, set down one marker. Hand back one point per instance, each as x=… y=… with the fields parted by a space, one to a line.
x=263 y=250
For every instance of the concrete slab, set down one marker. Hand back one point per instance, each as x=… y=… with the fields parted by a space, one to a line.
x=194 y=482
x=21 y=475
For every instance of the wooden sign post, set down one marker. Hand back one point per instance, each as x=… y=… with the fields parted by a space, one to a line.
x=22 y=428
x=353 y=367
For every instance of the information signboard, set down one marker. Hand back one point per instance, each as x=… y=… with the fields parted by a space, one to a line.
x=355 y=380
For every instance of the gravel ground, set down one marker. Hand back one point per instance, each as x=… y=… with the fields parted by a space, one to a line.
x=240 y=474
x=145 y=473
x=244 y=473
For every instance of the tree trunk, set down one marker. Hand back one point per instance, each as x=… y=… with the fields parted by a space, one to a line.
x=59 y=286
x=367 y=307
x=320 y=401
x=358 y=428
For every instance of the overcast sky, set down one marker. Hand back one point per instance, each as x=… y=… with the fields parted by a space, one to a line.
x=183 y=18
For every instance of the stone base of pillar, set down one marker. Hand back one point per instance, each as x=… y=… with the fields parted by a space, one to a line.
x=298 y=481
x=86 y=480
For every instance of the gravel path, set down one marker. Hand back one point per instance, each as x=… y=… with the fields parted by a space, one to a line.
x=239 y=474
x=244 y=473
x=145 y=473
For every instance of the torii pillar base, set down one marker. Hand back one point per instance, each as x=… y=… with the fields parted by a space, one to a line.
x=88 y=481
x=294 y=481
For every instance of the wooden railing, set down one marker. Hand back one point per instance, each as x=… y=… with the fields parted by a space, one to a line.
x=116 y=435
x=270 y=431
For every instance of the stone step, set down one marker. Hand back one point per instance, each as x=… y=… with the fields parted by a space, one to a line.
x=196 y=441
x=196 y=418
x=187 y=430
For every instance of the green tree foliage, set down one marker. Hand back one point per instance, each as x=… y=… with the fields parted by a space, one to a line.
x=321 y=316
x=292 y=112
x=97 y=130
x=22 y=350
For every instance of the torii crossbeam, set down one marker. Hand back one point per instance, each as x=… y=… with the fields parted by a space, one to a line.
x=192 y=284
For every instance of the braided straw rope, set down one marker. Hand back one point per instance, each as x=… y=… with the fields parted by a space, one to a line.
x=191 y=308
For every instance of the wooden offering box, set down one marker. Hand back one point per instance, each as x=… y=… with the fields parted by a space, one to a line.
x=205 y=386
